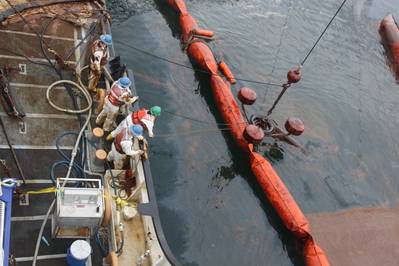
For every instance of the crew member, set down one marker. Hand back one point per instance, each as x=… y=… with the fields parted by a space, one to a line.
x=145 y=118
x=98 y=59
x=118 y=95
x=126 y=144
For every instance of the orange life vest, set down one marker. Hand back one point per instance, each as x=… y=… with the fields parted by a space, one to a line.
x=138 y=115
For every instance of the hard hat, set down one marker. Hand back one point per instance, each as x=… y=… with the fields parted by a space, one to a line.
x=137 y=130
x=156 y=110
x=106 y=38
x=124 y=82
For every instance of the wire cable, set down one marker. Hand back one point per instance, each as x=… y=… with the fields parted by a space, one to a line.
x=324 y=31
x=187 y=117
x=192 y=68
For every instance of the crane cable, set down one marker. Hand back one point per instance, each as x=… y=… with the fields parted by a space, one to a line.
x=324 y=31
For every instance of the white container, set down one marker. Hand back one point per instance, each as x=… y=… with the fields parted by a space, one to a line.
x=129 y=213
x=78 y=253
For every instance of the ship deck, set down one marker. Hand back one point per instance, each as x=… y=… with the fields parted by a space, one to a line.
x=67 y=27
x=34 y=138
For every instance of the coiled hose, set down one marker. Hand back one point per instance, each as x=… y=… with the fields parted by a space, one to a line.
x=65 y=110
x=78 y=169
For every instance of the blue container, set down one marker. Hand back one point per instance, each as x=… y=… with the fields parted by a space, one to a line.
x=78 y=253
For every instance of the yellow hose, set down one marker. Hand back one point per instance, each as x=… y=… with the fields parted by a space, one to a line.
x=42 y=191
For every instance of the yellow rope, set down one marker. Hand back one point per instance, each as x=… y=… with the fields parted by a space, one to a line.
x=42 y=191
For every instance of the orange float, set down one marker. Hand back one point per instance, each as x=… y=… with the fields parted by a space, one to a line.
x=389 y=32
x=203 y=33
x=272 y=185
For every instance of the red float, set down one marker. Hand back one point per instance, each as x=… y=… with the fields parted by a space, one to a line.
x=273 y=187
x=254 y=134
x=294 y=76
x=294 y=126
x=246 y=96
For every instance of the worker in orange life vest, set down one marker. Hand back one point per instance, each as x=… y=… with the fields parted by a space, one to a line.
x=98 y=59
x=126 y=144
x=145 y=118
x=118 y=95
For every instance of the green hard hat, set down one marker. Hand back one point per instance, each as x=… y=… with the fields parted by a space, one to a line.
x=156 y=110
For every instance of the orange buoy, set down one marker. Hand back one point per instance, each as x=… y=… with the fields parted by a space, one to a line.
x=278 y=194
x=229 y=110
x=389 y=32
x=178 y=5
x=314 y=255
x=204 y=33
x=293 y=76
x=188 y=25
x=203 y=56
x=272 y=185
x=227 y=72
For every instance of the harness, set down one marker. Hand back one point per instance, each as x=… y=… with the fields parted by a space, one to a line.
x=113 y=95
x=123 y=135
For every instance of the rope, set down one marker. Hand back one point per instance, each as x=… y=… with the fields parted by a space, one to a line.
x=192 y=68
x=188 y=133
x=186 y=117
x=324 y=31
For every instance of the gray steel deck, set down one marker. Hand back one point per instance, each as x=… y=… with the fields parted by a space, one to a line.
x=36 y=148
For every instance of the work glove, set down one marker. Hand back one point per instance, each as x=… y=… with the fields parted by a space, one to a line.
x=133 y=99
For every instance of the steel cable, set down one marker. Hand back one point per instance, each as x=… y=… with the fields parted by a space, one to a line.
x=192 y=68
x=324 y=31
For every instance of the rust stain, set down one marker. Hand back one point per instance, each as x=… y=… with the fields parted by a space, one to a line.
x=359 y=236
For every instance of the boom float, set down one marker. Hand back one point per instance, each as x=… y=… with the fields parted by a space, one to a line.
x=389 y=31
x=193 y=42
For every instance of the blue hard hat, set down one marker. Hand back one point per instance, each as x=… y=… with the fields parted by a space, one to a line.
x=137 y=130
x=106 y=38
x=124 y=82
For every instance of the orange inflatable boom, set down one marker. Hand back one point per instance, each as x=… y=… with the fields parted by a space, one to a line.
x=272 y=185
x=389 y=32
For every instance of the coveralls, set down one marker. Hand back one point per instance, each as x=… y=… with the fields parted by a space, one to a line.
x=122 y=147
x=141 y=117
x=117 y=96
x=98 y=59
